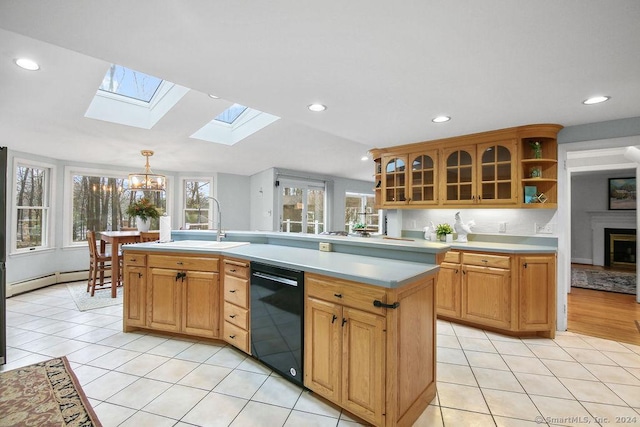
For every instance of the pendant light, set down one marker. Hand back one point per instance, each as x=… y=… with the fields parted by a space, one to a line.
x=147 y=180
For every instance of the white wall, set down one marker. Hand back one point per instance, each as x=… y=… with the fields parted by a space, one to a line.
x=520 y=222
x=232 y=191
x=262 y=197
x=589 y=193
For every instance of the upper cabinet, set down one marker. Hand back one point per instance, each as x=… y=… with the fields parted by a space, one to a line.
x=515 y=167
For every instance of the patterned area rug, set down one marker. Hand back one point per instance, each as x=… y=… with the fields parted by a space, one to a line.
x=84 y=301
x=45 y=394
x=604 y=280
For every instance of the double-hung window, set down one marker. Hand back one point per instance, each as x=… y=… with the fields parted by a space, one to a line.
x=32 y=206
x=196 y=213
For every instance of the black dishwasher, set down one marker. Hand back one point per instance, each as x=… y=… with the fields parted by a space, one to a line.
x=277 y=313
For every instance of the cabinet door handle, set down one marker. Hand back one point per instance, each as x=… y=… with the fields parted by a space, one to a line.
x=344 y=321
x=378 y=303
x=524 y=265
x=456 y=271
x=334 y=318
x=337 y=295
x=139 y=275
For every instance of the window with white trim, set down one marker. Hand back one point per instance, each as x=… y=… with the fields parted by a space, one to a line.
x=32 y=206
x=360 y=210
x=196 y=211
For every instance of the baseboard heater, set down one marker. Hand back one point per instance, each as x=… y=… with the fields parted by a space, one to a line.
x=18 y=288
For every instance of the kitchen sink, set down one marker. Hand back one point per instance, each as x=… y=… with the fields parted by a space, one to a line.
x=201 y=244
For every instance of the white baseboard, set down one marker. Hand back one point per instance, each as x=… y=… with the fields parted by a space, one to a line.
x=588 y=261
x=48 y=280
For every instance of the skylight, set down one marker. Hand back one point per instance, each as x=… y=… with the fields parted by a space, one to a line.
x=130 y=83
x=231 y=114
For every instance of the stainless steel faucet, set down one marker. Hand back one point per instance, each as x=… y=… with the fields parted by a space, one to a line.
x=219 y=233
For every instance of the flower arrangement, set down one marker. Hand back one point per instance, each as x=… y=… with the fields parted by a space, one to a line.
x=143 y=209
x=537 y=149
x=443 y=229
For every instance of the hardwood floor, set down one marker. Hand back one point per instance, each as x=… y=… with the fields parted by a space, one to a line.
x=601 y=314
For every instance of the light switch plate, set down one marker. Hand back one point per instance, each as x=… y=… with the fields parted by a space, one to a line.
x=544 y=228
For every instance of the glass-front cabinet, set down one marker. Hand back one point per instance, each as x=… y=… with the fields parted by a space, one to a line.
x=394 y=188
x=497 y=172
x=459 y=169
x=502 y=168
x=424 y=178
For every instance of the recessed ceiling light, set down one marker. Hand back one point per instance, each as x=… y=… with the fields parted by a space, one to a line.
x=27 y=64
x=213 y=96
x=364 y=158
x=596 y=100
x=317 y=107
x=441 y=119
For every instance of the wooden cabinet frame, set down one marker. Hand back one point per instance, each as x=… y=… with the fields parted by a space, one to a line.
x=518 y=140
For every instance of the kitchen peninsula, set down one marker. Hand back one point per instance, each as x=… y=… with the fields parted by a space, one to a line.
x=369 y=310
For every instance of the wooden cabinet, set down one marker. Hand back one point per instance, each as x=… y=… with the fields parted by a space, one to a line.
x=183 y=294
x=135 y=298
x=508 y=293
x=486 y=289
x=410 y=179
x=449 y=288
x=236 y=330
x=537 y=297
x=375 y=361
x=489 y=169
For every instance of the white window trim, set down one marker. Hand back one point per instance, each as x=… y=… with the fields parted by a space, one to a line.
x=69 y=171
x=50 y=201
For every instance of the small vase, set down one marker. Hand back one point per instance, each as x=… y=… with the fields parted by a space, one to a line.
x=537 y=153
x=143 y=225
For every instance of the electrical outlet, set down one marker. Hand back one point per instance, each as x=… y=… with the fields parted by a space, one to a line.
x=543 y=228
x=502 y=227
x=325 y=247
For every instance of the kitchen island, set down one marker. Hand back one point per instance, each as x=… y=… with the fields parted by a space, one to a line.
x=369 y=322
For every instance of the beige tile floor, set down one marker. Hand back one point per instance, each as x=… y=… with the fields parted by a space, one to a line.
x=484 y=379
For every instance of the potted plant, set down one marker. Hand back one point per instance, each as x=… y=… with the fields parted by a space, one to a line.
x=143 y=210
x=442 y=230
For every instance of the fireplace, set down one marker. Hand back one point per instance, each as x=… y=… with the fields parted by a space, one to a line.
x=620 y=247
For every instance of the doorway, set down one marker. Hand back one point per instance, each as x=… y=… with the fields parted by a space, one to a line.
x=583 y=157
x=302 y=207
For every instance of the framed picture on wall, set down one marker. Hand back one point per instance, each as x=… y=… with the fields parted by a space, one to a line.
x=622 y=193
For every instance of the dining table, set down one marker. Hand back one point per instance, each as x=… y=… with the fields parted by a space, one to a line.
x=116 y=238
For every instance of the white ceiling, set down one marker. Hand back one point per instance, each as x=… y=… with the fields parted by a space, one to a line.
x=383 y=68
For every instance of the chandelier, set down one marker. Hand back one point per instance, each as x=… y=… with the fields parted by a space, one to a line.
x=147 y=180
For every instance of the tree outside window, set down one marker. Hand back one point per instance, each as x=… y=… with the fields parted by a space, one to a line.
x=197 y=215
x=100 y=203
x=32 y=206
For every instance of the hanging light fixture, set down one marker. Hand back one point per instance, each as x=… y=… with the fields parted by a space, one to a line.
x=147 y=181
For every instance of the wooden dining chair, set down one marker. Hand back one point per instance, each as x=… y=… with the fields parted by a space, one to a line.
x=99 y=264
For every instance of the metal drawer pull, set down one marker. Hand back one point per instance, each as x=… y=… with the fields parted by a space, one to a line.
x=179 y=262
x=233 y=337
x=233 y=316
x=378 y=303
x=337 y=295
x=233 y=291
x=233 y=270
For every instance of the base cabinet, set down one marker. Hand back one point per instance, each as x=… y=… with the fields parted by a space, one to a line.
x=236 y=324
x=174 y=293
x=509 y=293
x=378 y=363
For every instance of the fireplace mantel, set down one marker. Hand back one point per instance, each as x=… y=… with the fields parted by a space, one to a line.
x=608 y=219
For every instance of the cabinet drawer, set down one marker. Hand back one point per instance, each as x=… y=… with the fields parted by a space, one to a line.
x=135 y=259
x=452 y=256
x=184 y=262
x=346 y=293
x=485 y=260
x=236 y=336
x=236 y=268
x=236 y=291
x=236 y=315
